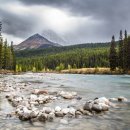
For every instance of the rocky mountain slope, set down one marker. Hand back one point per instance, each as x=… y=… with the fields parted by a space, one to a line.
x=34 y=42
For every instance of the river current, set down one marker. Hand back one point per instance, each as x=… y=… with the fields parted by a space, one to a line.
x=87 y=86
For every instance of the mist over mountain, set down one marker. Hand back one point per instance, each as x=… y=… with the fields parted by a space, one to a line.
x=54 y=37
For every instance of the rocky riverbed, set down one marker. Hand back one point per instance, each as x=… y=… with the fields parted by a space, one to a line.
x=30 y=103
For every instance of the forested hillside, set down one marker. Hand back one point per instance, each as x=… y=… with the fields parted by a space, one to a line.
x=58 y=58
x=53 y=50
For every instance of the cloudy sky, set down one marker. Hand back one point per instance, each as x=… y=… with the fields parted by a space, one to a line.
x=78 y=21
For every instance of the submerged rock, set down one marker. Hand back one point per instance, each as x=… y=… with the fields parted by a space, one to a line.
x=121 y=99
x=67 y=95
x=63 y=121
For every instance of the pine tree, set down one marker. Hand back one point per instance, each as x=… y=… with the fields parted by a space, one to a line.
x=120 y=55
x=5 y=58
x=128 y=54
x=113 y=55
x=13 y=57
x=125 y=52
x=1 y=50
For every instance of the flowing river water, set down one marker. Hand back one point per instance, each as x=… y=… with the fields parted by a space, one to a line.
x=87 y=86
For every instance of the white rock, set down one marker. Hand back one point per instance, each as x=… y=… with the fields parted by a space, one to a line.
x=34 y=114
x=72 y=111
x=113 y=99
x=57 y=109
x=59 y=114
x=63 y=121
x=33 y=97
x=65 y=110
x=102 y=100
x=26 y=111
x=97 y=107
x=104 y=106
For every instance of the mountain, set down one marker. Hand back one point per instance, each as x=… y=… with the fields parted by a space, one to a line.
x=54 y=37
x=34 y=42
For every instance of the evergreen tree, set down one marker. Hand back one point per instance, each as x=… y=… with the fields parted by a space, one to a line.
x=113 y=55
x=120 y=55
x=1 y=50
x=5 y=58
x=128 y=54
x=125 y=52
x=13 y=57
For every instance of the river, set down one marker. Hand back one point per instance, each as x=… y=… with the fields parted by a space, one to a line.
x=87 y=86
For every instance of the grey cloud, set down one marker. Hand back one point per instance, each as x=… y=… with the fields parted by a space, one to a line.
x=113 y=13
x=16 y=25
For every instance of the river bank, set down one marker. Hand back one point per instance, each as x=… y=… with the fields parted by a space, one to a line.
x=100 y=71
x=93 y=71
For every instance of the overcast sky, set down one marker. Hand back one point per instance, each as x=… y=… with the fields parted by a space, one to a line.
x=78 y=21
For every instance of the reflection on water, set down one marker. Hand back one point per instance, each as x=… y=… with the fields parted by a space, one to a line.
x=89 y=87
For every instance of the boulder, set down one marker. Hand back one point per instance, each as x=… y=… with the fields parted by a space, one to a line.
x=85 y=112
x=59 y=114
x=46 y=110
x=33 y=97
x=97 y=107
x=72 y=111
x=81 y=110
x=78 y=113
x=104 y=107
x=34 y=114
x=88 y=106
x=57 y=109
x=42 y=117
x=50 y=116
x=68 y=96
x=100 y=107
x=101 y=100
x=38 y=92
x=65 y=110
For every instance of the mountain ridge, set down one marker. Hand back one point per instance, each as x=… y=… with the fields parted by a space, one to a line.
x=34 y=42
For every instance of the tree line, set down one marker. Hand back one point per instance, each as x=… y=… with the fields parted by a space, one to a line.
x=120 y=56
x=77 y=58
x=7 y=55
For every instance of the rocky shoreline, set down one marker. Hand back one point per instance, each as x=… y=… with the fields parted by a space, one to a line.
x=33 y=107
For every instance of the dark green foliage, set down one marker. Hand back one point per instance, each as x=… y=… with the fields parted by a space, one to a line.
x=125 y=52
x=1 y=54
x=76 y=58
x=6 y=56
x=13 y=58
x=54 y=50
x=121 y=52
x=113 y=55
x=128 y=55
